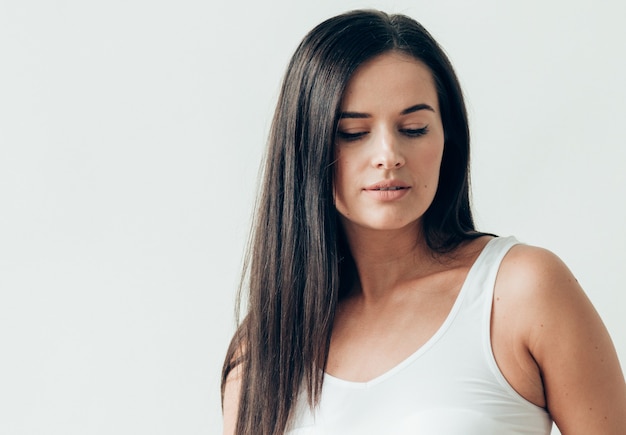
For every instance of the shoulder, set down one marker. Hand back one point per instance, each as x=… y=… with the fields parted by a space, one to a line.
x=559 y=327
x=542 y=295
x=546 y=296
x=534 y=265
x=530 y=271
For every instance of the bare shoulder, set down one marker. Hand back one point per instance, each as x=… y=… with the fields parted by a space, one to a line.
x=539 y=280
x=534 y=265
x=557 y=324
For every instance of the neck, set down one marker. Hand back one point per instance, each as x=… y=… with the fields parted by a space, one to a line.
x=385 y=259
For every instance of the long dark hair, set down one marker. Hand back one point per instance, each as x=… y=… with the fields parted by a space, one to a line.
x=298 y=265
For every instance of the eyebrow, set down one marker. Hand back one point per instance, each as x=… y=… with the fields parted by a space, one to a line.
x=360 y=115
x=416 y=108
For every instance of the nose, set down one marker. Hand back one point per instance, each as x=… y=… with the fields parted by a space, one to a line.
x=388 y=154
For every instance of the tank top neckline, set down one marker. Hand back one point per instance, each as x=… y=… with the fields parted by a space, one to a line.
x=432 y=340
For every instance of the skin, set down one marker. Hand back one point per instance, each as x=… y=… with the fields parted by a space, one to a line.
x=231 y=400
x=548 y=340
x=383 y=140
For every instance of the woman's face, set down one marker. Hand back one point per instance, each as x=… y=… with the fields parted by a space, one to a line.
x=389 y=144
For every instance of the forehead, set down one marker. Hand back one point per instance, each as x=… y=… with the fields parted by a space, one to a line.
x=390 y=79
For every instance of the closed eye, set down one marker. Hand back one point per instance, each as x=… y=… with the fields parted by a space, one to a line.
x=414 y=132
x=351 y=136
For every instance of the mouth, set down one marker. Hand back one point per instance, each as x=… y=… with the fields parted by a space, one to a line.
x=384 y=189
x=388 y=186
x=387 y=191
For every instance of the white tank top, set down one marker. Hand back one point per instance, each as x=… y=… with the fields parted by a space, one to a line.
x=449 y=386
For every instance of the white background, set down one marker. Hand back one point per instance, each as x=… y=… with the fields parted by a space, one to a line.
x=130 y=137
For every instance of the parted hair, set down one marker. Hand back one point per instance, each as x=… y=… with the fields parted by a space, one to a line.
x=298 y=265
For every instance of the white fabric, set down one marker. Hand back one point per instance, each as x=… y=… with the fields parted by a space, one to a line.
x=450 y=386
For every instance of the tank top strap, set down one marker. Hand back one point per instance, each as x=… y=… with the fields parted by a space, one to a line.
x=481 y=278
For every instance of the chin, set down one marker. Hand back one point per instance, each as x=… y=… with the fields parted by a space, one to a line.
x=389 y=224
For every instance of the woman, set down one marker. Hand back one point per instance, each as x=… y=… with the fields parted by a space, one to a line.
x=374 y=305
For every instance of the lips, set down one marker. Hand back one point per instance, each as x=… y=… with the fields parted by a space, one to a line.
x=388 y=185
x=387 y=190
x=384 y=189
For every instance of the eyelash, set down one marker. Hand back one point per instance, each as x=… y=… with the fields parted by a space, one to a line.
x=415 y=132
x=350 y=136
x=410 y=132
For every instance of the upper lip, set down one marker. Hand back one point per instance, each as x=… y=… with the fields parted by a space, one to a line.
x=385 y=184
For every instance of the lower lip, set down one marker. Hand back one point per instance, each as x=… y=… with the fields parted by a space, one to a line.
x=387 y=195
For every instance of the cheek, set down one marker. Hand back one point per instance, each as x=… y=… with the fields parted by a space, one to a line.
x=341 y=180
x=430 y=161
x=428 y=165
x=341 y=173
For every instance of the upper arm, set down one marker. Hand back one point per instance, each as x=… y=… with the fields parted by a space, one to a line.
x=230 y=400
x=232 y=380
x=582 y=379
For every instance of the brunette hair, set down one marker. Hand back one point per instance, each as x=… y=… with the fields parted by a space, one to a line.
x=298 y=264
